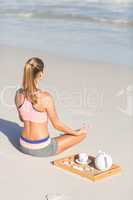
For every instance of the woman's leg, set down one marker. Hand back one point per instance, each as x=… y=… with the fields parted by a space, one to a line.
x=66 y=141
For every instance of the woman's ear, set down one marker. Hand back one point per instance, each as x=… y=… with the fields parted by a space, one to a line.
x=41 y=75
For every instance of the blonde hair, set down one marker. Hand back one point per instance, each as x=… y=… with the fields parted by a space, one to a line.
x=32 y=67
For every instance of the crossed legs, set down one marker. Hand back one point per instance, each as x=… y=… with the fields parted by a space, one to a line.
x=66 y=141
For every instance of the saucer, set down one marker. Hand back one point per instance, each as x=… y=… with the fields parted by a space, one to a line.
x=83 y=163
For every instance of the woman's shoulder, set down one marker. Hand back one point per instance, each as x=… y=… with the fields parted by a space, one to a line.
x=19 y=97
x=20 y=91
x=46 y=96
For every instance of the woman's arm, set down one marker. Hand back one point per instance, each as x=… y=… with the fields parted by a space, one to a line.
x=49 y=105
x=17 y=103
x=21 y=119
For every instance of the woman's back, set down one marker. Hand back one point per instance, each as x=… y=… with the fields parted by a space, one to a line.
x=29 y=113
x=34 y=116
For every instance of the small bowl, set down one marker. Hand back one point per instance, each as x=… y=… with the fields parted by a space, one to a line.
x=83 y=163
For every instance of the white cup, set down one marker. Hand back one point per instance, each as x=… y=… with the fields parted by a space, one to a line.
x=83 y=157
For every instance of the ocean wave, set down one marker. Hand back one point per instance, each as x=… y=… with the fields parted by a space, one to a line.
x=70 y=17
x=67 y=10
x=54 y=2
x=35 y=3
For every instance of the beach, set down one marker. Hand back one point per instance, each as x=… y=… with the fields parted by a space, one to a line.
x=86 y=46
x=88 y=30
x=95 y=93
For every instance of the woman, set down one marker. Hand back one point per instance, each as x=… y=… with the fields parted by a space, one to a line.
x=34 y=108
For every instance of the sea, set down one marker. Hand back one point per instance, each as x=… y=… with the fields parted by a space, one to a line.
x=86 y=30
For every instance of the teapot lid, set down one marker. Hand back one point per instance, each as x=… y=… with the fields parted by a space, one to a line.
x=101 y=152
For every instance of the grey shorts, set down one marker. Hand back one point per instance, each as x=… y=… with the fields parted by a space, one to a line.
x=49 y=150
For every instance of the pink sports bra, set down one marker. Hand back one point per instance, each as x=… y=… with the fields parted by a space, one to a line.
x=29 y=113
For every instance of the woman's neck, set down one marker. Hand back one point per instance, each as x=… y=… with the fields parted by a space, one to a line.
x=37 y=84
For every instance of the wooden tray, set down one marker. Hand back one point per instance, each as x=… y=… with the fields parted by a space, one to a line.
x=88 y=171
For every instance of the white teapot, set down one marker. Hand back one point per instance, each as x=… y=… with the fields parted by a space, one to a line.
x=103 y=161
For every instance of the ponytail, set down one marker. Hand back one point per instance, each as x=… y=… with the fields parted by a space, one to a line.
x=29 y=83
x=31 y=68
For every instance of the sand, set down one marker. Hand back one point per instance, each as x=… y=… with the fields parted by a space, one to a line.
x=96 y=93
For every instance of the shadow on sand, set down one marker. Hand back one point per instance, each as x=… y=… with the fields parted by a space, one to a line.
x=12 y=130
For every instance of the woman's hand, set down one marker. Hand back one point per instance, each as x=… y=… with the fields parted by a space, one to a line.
x=81 y=131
